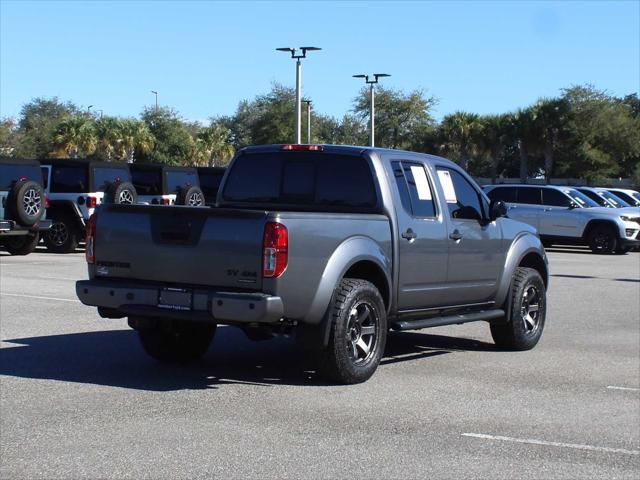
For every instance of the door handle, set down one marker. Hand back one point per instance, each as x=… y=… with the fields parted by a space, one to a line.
x=455 y=235
x=409 y=234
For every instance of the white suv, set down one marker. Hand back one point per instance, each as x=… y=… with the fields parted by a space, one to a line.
x=75 y=187
x=565 y=216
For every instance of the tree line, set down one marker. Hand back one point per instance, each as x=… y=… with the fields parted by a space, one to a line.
x=582 y=133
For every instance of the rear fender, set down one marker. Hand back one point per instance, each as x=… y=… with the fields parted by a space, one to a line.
x=350 y=252
x=525 y=247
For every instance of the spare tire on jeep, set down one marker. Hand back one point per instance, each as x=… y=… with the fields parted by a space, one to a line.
x=121 y=192
x=191 y=196
x=26 y=202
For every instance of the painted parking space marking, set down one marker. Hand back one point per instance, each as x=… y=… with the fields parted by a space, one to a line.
x=39 y=297
x=630 y=389
x=531 y=441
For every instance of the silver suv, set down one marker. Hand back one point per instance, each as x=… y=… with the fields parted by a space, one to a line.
x=565 y=216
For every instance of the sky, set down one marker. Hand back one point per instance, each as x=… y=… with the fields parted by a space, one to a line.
x=204 y=57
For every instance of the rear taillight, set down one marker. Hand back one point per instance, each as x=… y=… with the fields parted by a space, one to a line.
x=165 y=201
x=46 y=202
x=296 y=147
x=275 y=246
x=92 y=202
x=90 y=240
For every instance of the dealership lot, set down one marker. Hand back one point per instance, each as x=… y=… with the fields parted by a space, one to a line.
x=79 y=398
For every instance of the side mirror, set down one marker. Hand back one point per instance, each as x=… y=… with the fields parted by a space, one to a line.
x=498 y=209
x=572 y=205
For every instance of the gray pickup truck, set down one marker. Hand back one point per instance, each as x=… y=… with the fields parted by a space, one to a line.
x=335 y=244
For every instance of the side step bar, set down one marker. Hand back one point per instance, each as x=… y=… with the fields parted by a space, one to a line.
x=448 y=320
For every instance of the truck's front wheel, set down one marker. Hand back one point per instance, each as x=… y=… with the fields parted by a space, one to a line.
x=181 y=342
x=528 y=312
x=358 y=333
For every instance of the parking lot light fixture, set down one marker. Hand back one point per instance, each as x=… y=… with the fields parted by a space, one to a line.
x=156 y=94
x=297 y=57
x=308 y=102
x=372 y=111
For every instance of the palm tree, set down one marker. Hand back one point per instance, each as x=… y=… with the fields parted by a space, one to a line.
x=213 y=146
x=109 y=134
x=134 y=135
x=550 y=116
x=495 y=135
x=461 y=131
x=527 y=136
x=76 y=136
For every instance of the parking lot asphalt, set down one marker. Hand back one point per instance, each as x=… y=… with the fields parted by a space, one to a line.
x=79 y=398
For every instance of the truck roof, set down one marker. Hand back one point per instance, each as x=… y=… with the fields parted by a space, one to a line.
x=346 y=149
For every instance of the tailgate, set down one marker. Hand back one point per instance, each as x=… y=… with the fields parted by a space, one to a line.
x=181 y=245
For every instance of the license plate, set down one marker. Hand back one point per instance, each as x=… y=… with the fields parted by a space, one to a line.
x=174 y=299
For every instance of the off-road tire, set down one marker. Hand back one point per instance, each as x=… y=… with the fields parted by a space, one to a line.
x=181 y=342
x=337 y=361
x=21 y=245
x=603 y=239
x=518 y=333
x=26 y=202
x=123 y=193
x=63 y=236
x=191 y=196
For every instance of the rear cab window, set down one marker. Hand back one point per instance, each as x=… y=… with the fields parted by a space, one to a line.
x=312 y=181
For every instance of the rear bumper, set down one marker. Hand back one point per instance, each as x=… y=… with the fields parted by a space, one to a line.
x=9 y=227
x=122 y=299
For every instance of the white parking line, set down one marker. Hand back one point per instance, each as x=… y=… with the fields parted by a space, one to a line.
x=631 y=389
x=552 y=444
x=39 y=297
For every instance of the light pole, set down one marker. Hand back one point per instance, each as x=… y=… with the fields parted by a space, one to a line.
x=100 y=113
x=297 y=58
x=156 y=94
x=89 y=109
x=308 y=102
x=372 y=108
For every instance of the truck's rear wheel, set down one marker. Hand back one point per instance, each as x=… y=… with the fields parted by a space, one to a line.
x=528 y=312
x=181 y=342
x=63 y=236
x=21 y=245
x=358 y=333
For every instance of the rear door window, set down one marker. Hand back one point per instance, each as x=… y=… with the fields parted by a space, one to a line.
x=416 y=192
x=105 y=176
x=529 y=196
x=554 y=198
x=69 y=179
x=177 y=179
x=503 y=194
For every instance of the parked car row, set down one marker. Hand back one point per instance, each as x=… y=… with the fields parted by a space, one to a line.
x=71 y=189
x=595 y=217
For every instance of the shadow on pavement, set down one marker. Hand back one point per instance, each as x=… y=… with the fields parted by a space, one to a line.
x=115 y=358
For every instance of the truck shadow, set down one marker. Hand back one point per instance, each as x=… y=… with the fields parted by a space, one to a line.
x=115 y=358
